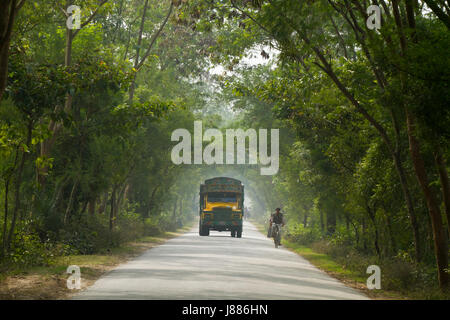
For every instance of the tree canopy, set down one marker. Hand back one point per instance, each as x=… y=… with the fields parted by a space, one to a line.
x=86 y=117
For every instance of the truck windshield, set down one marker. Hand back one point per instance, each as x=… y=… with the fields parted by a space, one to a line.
x=221 y=197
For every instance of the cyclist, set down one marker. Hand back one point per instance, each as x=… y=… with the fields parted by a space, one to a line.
x=277 y=218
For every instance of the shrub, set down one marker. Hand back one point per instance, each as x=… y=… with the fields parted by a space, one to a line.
x=28 y=250
x=88 y=235
x=297 y=233
x=152 y=227
x=344 y=255
x=397 y=274
x=129 y=226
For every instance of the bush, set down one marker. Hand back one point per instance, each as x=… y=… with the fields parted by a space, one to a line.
x=152 y=227
x=297 y=233
x=321 y=246
x=129 y=226
x=397 y=275
x=346 y=256
x=342 y=238
x=88 y=235
x=28 y=250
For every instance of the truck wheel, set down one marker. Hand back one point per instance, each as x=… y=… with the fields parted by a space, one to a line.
x=200 y=229
x=233 y=233
x=239 y=233
x=203 y=231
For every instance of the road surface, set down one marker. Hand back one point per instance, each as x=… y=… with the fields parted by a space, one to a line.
x=218 y=267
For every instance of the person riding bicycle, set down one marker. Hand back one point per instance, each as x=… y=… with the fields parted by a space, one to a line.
x=277 y=218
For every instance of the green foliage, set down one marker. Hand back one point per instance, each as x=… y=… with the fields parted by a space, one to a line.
x=93 y=168
x=29 y=250
x=93 y=165
x=299 y=234
x=88 y=236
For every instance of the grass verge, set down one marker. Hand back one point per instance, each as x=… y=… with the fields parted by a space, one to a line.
x=335 y=270
x=49 y=283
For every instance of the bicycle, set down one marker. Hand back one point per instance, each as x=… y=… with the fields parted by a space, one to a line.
x=276 y=234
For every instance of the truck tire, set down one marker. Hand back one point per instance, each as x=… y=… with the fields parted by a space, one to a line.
x=233 y=233
x=203 y=231
x=200 y=229
x=239 y=232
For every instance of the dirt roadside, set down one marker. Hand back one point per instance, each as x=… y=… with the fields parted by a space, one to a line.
x=50 y=283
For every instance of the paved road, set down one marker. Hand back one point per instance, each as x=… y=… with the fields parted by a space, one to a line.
x=218 y=267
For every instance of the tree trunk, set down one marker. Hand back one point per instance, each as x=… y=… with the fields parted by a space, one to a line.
x=322 y=227
x=409 y=206
x=138 y=49
x=68 y=63
x=5 y=222
x=125 y=193
x=8 y=12
x=439 y=238
x=371 y=213
x=18 y=184
x=355 y=227
x=443 y=176
x=119 y=198
x=104 y=203
x=91 y=206
x=111 y=212
x=391 y=233
x=174 y=212
x=6 y=205
x=151 y=203
x=83 y=209
x=69 y=205
x=4 y=55
x=331 y=223
x=364 y=233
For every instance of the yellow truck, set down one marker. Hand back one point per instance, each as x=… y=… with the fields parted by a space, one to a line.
x=221 y=206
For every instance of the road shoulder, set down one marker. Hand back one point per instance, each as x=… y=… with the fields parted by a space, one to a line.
x=330 y=267
x=50 y=283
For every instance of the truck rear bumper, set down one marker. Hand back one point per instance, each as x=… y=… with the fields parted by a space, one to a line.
x=222 y=225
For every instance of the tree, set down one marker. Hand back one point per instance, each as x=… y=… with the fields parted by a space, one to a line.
x=8 y=13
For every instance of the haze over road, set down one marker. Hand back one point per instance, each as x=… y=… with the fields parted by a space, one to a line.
x=218 y=267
